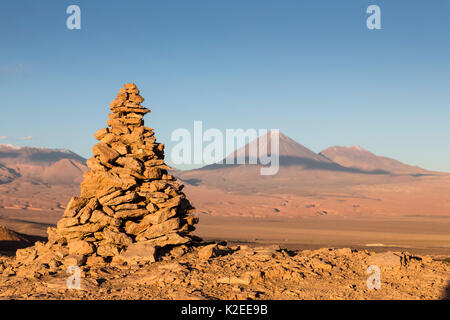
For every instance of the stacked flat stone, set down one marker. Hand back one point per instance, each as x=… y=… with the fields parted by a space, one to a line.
x=128 y=198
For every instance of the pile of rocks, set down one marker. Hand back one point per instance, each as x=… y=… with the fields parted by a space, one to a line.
x=129 y=205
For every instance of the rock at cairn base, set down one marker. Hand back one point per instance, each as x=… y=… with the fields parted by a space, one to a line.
x=129 y=204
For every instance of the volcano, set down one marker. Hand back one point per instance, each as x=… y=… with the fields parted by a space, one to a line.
x=300 y=171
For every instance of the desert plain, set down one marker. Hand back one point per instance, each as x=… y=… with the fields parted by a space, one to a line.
x=277 y=246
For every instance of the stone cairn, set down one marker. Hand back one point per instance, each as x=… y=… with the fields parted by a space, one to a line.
x=130 y=207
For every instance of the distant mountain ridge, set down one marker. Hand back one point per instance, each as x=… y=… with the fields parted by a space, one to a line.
x=12 y=155
x=300 y=170
x=346 y=159
x=41 y=165
x=62 y=166
x=359 y=158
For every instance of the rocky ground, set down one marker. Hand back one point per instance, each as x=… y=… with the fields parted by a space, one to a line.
x=218 y=271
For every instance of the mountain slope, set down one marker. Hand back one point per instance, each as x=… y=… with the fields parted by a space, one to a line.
x=7 y=175
x=300 y=171
x=359 y=158
x=11 y=155
x=290 y=152
x=10 y=241
x=41 y=165
x=9 y=235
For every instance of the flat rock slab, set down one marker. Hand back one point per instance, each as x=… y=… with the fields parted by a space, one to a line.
x=139 y=252
x=387 y=259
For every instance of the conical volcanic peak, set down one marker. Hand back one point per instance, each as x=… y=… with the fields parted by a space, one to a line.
x=129 y=205
x=289 y=151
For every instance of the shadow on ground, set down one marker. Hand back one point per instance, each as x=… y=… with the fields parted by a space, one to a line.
x=9 y=247
x=447 y=292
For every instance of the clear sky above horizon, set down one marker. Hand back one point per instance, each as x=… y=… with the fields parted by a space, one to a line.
x=309 y=68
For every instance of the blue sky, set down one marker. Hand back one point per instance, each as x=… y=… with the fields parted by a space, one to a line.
x=310 y=68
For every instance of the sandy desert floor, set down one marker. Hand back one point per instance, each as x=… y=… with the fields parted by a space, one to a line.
x=238 y=272
x=252 y=267
x=403 y=196
x=416 y=234
x=420 y=235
